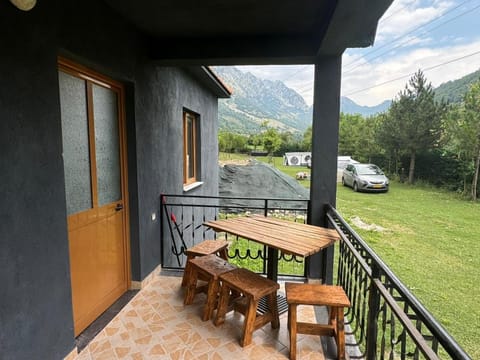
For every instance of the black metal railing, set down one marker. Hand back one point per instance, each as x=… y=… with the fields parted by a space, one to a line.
x=182 y=218
x=386 y=320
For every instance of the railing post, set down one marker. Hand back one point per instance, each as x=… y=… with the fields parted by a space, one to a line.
x=265 y=213
x=373 y=310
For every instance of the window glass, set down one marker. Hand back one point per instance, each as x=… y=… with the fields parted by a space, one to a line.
x=107 y=146
x=76 y=152
x=190 y=133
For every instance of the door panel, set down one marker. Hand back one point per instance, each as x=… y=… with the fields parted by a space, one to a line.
x=93 y=151
x=97 y=262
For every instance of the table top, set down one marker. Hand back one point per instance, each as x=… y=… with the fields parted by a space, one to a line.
x=287 y=236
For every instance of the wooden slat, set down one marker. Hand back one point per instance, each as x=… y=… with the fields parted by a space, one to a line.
x=265 y=239
x=275 y=236
x=287 y=236
x=278 y=237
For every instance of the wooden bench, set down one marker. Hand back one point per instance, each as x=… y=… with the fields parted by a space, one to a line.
x=333 y=297
x=206 y=247
x=252 y=288
x=208 y=267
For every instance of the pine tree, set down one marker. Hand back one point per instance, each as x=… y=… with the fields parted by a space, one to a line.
x=414 y=120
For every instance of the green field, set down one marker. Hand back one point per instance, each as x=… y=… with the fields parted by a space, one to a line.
x=431 y=241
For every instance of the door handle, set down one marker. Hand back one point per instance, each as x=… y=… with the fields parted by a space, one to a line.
x=118 y=207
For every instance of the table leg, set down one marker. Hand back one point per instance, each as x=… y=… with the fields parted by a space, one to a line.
x=272 y=266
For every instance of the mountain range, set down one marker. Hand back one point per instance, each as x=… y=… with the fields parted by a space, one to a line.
x=255 y=100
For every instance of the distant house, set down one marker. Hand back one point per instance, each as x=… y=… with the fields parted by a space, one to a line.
x=297 y=158
x=305 y=159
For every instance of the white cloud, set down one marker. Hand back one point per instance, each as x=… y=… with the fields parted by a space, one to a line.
x=365 y=68
x=407 y=16
x=371 y=74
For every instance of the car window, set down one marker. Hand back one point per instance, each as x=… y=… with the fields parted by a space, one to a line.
x=369 y=169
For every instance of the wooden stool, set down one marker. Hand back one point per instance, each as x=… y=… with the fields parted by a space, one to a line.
x=206 y=247
x=252 y=287
x=209 y=267
x=321 y=295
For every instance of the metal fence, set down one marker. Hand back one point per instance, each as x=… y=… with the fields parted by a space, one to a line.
x=385 y=320
x=182 y=218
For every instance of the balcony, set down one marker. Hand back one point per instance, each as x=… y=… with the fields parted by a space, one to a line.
x=385 y=320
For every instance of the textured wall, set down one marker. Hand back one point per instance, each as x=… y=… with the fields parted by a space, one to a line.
x=162 y=94
x=35 y=298
x=35 y=301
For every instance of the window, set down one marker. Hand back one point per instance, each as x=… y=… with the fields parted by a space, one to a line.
x=191 y=127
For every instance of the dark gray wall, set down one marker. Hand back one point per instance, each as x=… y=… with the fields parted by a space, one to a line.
x=35 y=301
x=35 y=298
x=159 y=125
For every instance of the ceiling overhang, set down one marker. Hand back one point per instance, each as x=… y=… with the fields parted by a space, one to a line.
x=241 y=32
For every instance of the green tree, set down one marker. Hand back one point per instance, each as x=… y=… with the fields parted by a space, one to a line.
x=357 y=137
x=254 y=140
x=271 y=138
x=306 y=144
x=387 y=136
x=230 y=142
x=463 y=129
x=349 y=133
x=415 y=120
x=367 y=146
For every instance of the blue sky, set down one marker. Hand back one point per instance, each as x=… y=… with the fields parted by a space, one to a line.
x=441 y=37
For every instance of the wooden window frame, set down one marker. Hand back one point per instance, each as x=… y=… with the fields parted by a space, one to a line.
x=193 y=158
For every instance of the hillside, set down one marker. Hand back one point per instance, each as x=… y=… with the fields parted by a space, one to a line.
x=256 y=100
x=348 y=106
x=453 y=91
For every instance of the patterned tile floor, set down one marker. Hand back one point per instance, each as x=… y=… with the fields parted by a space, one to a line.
x=156 y=325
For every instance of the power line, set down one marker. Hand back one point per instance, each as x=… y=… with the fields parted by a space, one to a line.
x=393 y=14
x=409 y=32
x=410 y=40
x=410 y=74
x=296 y=72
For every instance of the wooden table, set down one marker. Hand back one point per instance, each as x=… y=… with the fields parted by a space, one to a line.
x=278 y=235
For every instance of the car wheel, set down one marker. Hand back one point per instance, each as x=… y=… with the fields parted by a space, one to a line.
x=355 y=187
x=343 y=182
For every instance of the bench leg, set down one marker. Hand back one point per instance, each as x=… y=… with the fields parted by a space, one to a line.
x=273 y=308
x=222 y=304
x=186 y=271
x=212 y=295
x=340 y=332
x=292 y=329
x=191 y=287
x=249 y=324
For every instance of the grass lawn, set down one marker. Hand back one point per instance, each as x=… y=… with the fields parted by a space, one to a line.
x=432 y=243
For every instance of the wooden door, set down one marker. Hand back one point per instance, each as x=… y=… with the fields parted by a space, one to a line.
x=95 y=186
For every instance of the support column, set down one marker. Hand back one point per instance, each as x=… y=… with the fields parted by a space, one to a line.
x=323 y=187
